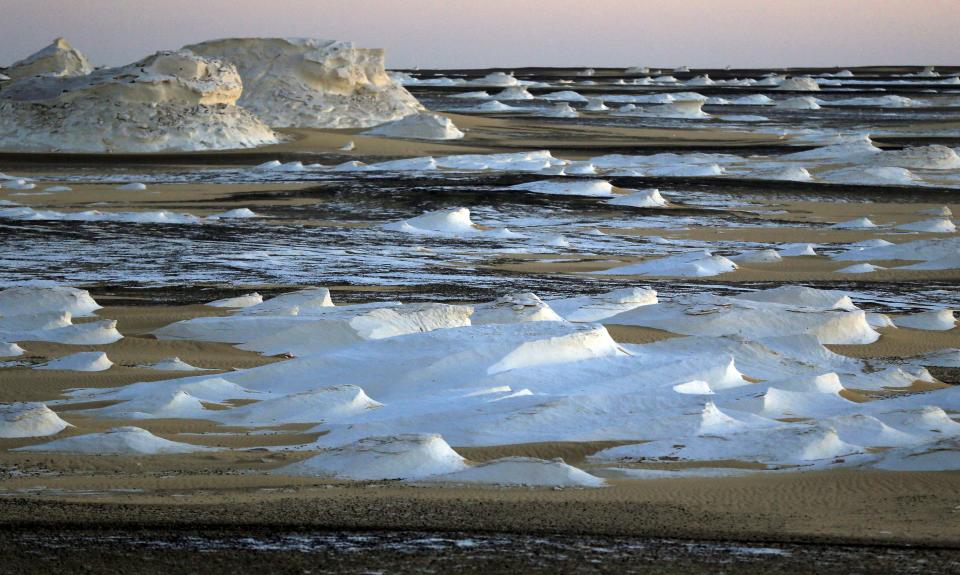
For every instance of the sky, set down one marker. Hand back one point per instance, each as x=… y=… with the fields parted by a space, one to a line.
x=504 y=33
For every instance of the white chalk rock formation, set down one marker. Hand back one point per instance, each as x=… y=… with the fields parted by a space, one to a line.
x=691 y=264
x=10 y=349
x=173 y=364
x=799 y=84
x=247 y=300
x=420 y=126
x=940 y=320
x=168 y=101
x=31 y=299
x=640 y=199
x=82 y=361
x=57 y=59
x=526 y=471
x=29 y=420
x=308 y=82
x=116 y=441
x=513 y=308
x=799 y=103
x=406 y=456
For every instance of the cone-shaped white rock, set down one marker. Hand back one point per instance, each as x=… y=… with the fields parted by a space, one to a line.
x=82 y=361
x=29 y=420
x=407 y=456
x=118 y=441
x=641 y=199
x=526 y=471
x=422 y=126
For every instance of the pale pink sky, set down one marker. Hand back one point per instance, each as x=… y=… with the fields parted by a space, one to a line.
x=478 y=33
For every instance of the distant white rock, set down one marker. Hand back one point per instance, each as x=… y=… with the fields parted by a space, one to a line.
x=514 y=93
x=599 y=307
x=308 y=82
x=564 y=96
x=797 y=249
x=29 y=420
x=116 y=441
x=525 y=471
x=420 y=126
x=132 y=187
x=513 y=308
x=82 y=361
x=855 y=224
x=799 y=103
x=560 y=110
x=860 y=269
x=406 y=457
x=495 y=79
x=691 y=264
x=942 y=211
x=242 y=301
x=933 y=157
x=595 y=105
x=758 y=257
x=445 y=221
x=641 y=199
x=799 y=84
x=933 y=225
x=10 y=350
x=321 y=405
x=941 y=320
x=40 y=299
x=58 y=59
x=568 y=187
x=173 y=364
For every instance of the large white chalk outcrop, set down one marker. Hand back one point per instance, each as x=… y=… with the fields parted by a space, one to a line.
x=57 y=59
x=305 y=82
x=167 y=101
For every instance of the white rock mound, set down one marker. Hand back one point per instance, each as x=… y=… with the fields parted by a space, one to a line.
x=29 y=420
x=116 y=441
x=10 y=350
x=406 y=456
x=641 y=199
x=83 y=361
x=420 y=126
x=513 y=308
x=308 y=82
x=526 y=471
x=799 y=84
x=171 y=101
x=940 y=320
x=173 y=364
x=57 y=59
x=247 y=300
x=32 y=299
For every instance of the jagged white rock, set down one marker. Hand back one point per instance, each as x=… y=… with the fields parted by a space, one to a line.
x=58 y=59
x=168 y=101
x=306 y=82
